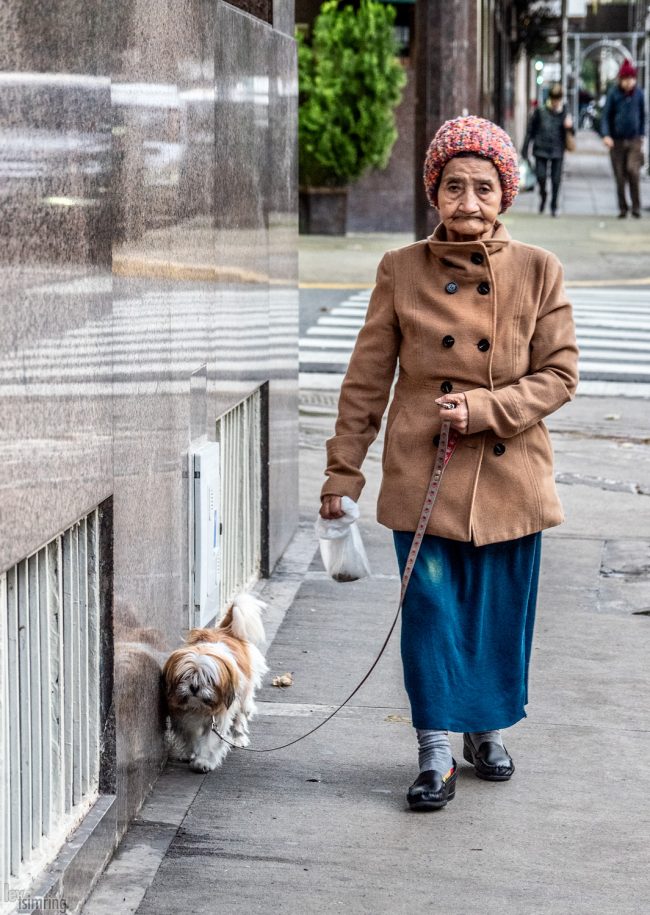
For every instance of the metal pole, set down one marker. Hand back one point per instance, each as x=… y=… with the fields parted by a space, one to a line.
x=646 y=77
x=564 y=48
x=577 y=66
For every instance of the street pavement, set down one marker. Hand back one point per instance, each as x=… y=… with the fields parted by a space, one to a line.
x=607 y=268
x=613 y=329
x=323 y=826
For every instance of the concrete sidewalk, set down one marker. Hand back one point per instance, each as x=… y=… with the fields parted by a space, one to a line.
x=322 y=827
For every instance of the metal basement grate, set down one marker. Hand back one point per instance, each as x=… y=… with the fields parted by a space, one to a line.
x=49 y=697
x=239 y=432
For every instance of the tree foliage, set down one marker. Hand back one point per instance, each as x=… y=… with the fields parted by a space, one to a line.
x=350 y=82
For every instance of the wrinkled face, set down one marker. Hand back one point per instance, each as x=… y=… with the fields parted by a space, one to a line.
x=469 y=197
x=628 y=83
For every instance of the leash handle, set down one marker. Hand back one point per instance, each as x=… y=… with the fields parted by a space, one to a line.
x=446 y=447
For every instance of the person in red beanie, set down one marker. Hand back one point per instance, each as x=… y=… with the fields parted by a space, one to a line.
x=623 y=129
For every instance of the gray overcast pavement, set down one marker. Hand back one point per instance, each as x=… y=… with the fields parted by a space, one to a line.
x=322 y=827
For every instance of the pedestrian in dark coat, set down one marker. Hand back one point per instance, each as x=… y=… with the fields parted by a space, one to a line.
x=623 y=129
x=480 y=322
x=547 y=130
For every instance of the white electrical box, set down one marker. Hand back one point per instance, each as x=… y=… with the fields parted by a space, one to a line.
x=205 y=532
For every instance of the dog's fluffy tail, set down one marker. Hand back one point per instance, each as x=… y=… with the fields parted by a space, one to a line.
x=247 y=618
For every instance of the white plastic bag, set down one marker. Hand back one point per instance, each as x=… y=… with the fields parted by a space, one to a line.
x=527 y=178
x=341 y=546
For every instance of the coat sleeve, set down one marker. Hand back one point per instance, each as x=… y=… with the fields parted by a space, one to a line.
x=607 y=115
x=531 y=132
x=641 y=113
x=365 y=389
x=553 y=368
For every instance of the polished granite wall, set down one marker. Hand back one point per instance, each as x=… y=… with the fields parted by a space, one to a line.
x=149 y=268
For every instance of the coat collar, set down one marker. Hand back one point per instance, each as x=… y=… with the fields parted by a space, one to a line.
x=458 y=253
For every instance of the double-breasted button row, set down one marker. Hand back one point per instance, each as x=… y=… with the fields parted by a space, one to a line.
x=448 y=341
x=483 y=288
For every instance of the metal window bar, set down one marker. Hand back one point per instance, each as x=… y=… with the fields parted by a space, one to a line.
x=49 y=696
x=239 y=431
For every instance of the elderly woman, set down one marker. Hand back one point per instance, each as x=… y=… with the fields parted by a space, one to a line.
x=480 y=323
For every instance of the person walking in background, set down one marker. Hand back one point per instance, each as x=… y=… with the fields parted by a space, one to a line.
x=547 y=130
x=623 y=129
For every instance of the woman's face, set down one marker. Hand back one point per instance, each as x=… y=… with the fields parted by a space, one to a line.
x=469 y=198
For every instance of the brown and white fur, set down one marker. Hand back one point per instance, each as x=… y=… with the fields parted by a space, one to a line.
x=213 y=678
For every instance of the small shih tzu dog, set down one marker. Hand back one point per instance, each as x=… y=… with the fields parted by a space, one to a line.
x=212 y=680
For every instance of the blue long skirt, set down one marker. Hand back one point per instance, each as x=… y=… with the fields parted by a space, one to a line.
x=467 y=631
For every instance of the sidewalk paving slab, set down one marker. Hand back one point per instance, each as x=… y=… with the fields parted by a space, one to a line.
x=323 y=827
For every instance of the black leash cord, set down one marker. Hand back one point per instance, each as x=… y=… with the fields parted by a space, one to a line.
x=442 y=457
x=432 y=492
x=330 y=716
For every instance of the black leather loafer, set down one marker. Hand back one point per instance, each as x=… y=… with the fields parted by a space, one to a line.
x=491 y=761
x=431 y=790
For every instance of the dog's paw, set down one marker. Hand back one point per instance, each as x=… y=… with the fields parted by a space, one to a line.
x=240 y=739
x=199 y=763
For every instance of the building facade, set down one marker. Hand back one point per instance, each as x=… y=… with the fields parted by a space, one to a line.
x=149 y=309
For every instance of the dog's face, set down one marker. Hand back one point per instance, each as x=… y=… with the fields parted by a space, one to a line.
x=200 y=680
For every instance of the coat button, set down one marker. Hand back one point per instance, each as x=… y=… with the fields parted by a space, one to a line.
x=446 y=387
x=477 y=258
x=448 y=341
x=483 y=345
x=436 y=440
x=483 y=288
x=451 y=288
x=499 y=449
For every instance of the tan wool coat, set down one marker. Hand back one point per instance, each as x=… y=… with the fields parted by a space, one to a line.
x=489 y=318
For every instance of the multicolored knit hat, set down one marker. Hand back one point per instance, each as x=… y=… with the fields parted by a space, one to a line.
x=478 y=136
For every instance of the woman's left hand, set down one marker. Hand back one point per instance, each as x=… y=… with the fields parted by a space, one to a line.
x=459 y=416
x=568 y=122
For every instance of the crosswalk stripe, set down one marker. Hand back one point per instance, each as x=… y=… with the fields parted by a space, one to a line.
x=612 y=325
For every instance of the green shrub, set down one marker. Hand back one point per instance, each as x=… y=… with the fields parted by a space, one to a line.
x=350 y=82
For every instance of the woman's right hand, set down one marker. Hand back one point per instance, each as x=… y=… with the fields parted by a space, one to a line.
x=330 y=508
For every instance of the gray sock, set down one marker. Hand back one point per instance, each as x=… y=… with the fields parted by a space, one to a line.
x=434 y=751
x=479 y=737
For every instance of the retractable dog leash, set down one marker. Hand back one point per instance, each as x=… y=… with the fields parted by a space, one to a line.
x=446 y=447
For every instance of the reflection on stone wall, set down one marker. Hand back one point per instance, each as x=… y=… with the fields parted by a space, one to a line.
x=148 y=233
